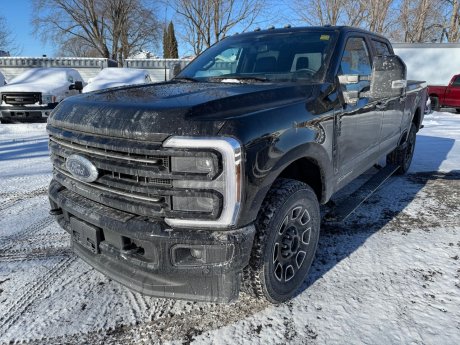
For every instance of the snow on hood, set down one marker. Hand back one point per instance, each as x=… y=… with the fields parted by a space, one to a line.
x=113 y=77
x=43 y=80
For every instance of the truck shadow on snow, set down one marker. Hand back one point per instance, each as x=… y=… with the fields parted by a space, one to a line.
x=13 y=150
x=340 y=240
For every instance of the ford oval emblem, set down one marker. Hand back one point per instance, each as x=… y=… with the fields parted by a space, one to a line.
x=81 y=168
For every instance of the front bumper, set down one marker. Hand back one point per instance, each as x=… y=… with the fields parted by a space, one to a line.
x=26 y=113
x=150 y=257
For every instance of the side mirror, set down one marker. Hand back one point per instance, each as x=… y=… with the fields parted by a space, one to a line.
x=388 y=77
x=78 y=85
x=175 y=70
x=352 y=96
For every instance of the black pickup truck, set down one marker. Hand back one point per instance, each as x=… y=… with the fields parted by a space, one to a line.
x=197 y=187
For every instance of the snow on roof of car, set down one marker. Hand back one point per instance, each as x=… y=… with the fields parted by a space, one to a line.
x=43 y=75
x=112 y=77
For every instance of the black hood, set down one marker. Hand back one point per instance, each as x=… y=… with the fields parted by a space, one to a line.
x=173 y=108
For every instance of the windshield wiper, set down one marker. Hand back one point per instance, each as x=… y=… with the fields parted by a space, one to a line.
x=239 y=77
x=187 y=79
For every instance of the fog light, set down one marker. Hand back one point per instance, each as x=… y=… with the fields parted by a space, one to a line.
x=193 y=203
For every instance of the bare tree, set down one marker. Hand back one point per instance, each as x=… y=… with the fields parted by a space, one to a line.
x=368 y=14
x=453 y=7
x=205 y=22
x=112 y=28
x=7 y=43
x=75 y=46
x=320 y=12
x=377 y=18
x=419 y=21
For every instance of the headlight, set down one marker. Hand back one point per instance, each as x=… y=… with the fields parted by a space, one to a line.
x=46 y=99
x=227 y=183
x=199 y=165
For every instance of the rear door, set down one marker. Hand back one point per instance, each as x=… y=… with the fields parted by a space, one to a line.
x=452 y=97
x=392 y=109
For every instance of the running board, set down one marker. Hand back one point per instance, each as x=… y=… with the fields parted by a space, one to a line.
x=341 y=212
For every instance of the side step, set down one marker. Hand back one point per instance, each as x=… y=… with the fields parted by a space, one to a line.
x=341 y=212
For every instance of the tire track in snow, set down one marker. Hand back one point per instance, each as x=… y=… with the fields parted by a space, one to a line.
x=21 y=304
x=8 y=242
x=36 y=254
x=15 y=197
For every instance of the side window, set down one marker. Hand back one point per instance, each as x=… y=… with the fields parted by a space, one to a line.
x=381 y=48
x=456 y=82
x=356 y=61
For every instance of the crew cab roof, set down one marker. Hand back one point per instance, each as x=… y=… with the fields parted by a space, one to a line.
x=326 y=28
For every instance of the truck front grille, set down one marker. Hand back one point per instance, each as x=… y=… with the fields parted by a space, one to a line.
x=134 y=176
x=21 y=98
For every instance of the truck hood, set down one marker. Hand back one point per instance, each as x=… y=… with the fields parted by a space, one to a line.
x=155 y=111
x=44 y=88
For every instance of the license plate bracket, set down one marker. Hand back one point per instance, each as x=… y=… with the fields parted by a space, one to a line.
x=87 y=235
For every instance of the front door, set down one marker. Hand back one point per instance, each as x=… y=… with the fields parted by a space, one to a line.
x=359 y=124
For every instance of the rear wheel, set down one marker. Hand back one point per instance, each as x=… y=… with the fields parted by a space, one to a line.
x=285 y=244
x=434 y=103
x=403 y=154
x=457 y=110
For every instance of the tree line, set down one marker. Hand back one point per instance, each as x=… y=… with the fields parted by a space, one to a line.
x=117 y=29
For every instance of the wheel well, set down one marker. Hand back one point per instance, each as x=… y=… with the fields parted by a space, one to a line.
x=307 y=171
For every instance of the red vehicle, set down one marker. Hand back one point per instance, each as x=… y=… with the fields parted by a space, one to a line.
x=446 y=96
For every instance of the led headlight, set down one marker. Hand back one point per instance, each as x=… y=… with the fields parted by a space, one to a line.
x=227 y=183
x=203 y=165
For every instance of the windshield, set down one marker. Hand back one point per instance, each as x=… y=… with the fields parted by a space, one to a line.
x=269 y=56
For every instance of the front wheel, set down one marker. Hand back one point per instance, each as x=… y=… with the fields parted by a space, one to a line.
x=286 y=239
x=403 y=154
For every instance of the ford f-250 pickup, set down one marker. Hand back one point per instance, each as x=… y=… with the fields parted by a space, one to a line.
x=209 y=183
x=446 y=96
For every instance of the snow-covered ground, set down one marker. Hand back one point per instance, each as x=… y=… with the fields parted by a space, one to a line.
x=389 y=275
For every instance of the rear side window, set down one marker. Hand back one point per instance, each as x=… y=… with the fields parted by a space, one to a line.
x=381 y=48
x=456 y=82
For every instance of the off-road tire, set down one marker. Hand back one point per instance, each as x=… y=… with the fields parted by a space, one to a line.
x=287 y=232
x=403 y=154
x=435 y=103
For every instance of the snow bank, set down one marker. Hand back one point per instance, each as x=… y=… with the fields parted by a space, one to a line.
x=438 y=144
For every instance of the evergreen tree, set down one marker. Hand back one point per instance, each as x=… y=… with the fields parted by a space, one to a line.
x=170 y=49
